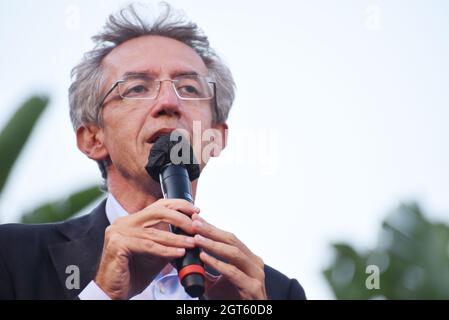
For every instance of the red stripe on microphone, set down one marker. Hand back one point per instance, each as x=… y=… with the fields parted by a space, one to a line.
x=193 y=268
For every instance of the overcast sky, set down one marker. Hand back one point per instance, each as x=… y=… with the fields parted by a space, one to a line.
x=341 y=114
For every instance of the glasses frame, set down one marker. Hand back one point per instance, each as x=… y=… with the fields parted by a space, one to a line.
x=115 y=85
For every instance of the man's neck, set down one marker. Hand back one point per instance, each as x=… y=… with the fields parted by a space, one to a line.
x=133 y=197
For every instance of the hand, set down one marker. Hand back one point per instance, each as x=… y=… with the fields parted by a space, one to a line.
x=136 y=248
x=243 y=277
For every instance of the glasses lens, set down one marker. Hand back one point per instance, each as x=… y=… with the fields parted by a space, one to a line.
x=187 y=87
x=193 y=87
x=138 y=89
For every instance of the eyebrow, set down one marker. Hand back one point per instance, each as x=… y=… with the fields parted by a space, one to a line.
x=136 y=74
x=147 y=75
x=186 y=73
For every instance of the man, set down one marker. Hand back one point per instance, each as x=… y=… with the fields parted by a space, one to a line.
x=142 y=80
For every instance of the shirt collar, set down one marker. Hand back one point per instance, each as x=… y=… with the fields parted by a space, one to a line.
x=114 y=209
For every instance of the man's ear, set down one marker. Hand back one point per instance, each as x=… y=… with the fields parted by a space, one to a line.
x=90 y=140
x=221 y=137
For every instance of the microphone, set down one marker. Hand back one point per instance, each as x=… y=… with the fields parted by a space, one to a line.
x=175 y=178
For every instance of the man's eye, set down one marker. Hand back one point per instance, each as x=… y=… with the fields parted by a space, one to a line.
x=137 y=89
x=189 y=90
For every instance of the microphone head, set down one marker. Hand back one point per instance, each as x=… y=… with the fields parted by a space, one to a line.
x=166 y=151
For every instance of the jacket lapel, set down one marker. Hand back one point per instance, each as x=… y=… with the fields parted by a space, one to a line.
x=83 y=249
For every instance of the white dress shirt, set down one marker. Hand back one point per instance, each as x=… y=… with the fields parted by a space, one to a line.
x=163 y=287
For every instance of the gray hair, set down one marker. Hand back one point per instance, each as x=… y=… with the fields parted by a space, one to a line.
x=127 y=23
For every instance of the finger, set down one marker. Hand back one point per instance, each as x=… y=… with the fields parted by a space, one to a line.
x=250 y=288
x=162 y=237
x=228 y=271
x=207 y=230
x=144 y=246
x=156 y=215
x=180 y=205
x=232 y=254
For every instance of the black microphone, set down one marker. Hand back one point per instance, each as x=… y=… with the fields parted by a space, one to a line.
x=175 y=178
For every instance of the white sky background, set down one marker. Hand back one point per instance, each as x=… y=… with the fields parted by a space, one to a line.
x=347 y=103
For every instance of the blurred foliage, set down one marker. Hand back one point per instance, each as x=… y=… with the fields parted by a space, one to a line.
x=13 y=138
x=412 y=257
x=16 y=132
x=62 y=209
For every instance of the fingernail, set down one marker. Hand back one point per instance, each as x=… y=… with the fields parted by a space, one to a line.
x=197 y=224
x=180 y=250
x=197 y=210
x=190 y=240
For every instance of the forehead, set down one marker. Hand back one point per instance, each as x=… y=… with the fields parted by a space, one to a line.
x=160 y=56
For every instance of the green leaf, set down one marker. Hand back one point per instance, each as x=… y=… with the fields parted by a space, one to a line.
x=62 y=209
x=347 y=274
x=16 y=133
x=412 y=256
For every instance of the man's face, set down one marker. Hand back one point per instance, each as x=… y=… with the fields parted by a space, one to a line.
x=129 y=126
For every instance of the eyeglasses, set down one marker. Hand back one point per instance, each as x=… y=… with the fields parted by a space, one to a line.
x=187 y=87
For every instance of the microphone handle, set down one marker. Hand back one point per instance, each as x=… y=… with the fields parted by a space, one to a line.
x=175 y=184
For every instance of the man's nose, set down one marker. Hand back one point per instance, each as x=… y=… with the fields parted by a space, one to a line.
x=167 y=102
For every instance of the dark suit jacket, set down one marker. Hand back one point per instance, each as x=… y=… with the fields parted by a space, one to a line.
x=34 y=259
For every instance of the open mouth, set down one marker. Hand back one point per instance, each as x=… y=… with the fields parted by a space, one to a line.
x=159 y=133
